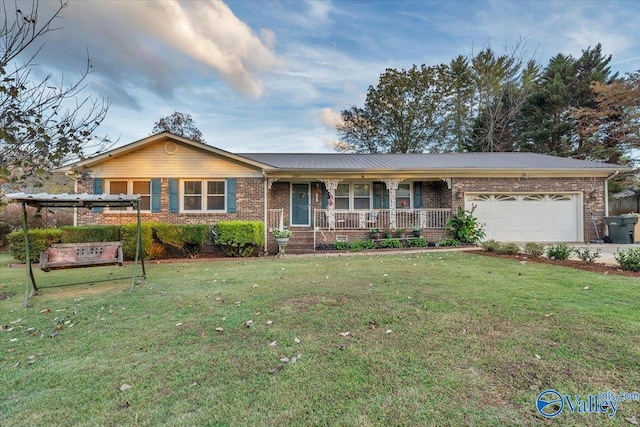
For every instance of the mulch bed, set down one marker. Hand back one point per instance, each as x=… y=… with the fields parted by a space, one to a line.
x=597 y=267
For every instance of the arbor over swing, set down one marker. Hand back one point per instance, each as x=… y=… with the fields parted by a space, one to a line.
x=87 y=201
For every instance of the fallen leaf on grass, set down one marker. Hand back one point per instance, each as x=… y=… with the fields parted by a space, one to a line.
x=586 y=288
x=273 y=344
x=631 y=420
x=389 y=331
x=269 y=322
x=45 y=311
x=537 y=356
x=276 y=369
x=31 y=360
x=179 y=324
x=125 y=387
x=284 y=359
x=296 y=340
x=345 y=334
x=6 y=328
x=219 y=329
x=248 y=323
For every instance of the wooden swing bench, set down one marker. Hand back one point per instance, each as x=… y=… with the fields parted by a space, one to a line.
x=72 y=255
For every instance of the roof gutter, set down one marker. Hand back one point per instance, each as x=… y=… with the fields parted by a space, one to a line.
x=606 y=192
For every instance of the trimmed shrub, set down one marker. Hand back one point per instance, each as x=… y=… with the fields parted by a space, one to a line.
x=129 y=233
x=629 y=259
x=39 y=240
x=508 y=249
x=91 y=233
x=559 y=252
x=239 y=238
x=449 y=242
x=491 y=245
x=342 y=246
x=534 y=250
x=188 y=238
x=419 y=242
x=390 y=244
x=586 y=255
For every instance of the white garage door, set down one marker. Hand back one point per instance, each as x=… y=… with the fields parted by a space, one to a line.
x=528 y=217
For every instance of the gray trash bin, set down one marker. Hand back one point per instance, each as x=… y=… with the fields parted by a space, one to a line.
x=627 y=227
x=621 y=228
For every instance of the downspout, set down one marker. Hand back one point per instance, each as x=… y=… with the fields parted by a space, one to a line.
x=75 y=190
x=606 y=192
x=266 y=211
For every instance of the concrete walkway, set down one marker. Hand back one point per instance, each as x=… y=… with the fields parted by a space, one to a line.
x=607 y=250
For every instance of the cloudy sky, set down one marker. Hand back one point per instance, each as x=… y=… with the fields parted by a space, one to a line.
x=272 y=76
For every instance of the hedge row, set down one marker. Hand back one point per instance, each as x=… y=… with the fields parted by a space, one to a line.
x=239 y=238
x=158 y=239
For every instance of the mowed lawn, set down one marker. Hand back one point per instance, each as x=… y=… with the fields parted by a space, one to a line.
x=433 y=338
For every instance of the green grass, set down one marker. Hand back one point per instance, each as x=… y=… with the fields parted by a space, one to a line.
x=474 y=341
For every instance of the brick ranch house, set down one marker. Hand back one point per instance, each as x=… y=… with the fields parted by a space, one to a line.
x=320 y=197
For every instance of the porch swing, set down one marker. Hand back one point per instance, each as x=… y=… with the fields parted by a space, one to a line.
x=76 y=255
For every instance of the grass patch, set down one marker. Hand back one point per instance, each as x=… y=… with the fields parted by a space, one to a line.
x=473 y=340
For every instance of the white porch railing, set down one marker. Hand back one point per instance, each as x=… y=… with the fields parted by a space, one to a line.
x=380 y=218
x=275 y=219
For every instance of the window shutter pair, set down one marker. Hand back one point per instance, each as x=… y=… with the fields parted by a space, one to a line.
x=174 y=201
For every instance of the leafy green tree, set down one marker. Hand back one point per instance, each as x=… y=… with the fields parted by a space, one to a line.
x=502 y=84
x=457 y=104
x=44 y=123
x=400 y=113
x=560 y=116
x=179 y=124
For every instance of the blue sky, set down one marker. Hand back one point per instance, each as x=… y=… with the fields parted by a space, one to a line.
x=272 y=76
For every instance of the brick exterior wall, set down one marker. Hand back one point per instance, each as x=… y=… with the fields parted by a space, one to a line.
x=435 y=194
x=584 y=185
x=249 y=206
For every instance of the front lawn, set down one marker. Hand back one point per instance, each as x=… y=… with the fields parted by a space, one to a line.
x=435 y=338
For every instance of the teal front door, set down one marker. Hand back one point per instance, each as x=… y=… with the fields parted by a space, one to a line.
x=300 y=204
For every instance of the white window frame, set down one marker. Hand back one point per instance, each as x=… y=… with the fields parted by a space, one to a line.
x=352 y=196
x=203 y=196
x=129 y=181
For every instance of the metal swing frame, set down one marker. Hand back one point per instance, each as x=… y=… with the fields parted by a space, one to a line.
x=87 y=201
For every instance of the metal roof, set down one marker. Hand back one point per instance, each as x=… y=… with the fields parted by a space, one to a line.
x=65 y=200
x=440 y=161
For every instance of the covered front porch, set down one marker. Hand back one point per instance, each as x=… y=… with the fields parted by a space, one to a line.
x=348 y=209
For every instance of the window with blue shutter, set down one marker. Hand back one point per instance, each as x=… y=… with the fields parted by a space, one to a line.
x=174 y=205
x=380 y=196
x=98 y=188
x=417 y=195
x=231 y=195
x=155 y=195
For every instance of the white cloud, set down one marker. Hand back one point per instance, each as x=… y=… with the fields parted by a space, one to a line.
x=329 y=118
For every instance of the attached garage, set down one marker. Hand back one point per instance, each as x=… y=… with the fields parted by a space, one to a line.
x=529 y=217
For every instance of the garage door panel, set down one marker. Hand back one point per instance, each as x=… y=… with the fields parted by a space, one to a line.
x=537 y=217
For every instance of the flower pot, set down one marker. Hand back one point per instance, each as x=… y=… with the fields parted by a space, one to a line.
x=417 y=233
x=282 y=241
x=374 y=236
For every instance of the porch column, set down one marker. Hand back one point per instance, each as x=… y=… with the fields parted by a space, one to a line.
x=331 y=185
x=392 y=186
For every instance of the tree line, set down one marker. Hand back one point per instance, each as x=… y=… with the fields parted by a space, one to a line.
x=572 y=107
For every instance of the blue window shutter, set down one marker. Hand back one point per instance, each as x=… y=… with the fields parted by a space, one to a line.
x=417 y=195
x=231 y=195
x=174 y=205
x=325 y=199
x=155 y=195
x=380 y=196
x=98 y=188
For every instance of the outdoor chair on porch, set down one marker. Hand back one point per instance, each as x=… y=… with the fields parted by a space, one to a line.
x=373 y=219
